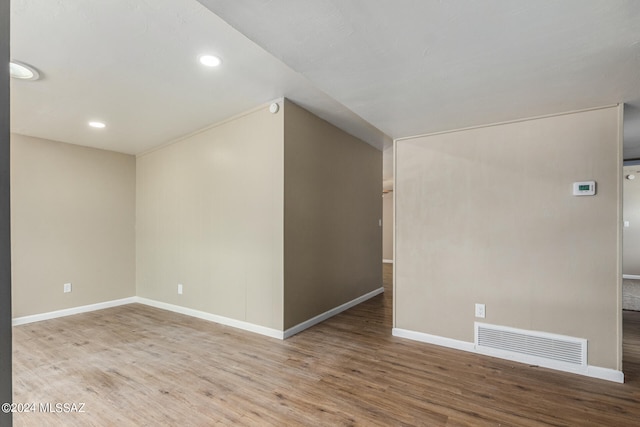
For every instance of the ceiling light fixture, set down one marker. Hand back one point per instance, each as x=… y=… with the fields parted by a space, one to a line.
x=22 y=71
x=97 y=125
x=210 y=60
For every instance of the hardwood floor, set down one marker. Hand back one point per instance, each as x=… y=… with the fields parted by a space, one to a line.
x=137 y=365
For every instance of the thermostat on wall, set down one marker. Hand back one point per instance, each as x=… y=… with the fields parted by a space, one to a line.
x=585 y=188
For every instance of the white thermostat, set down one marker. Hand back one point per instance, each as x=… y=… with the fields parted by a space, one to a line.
x=585 y=188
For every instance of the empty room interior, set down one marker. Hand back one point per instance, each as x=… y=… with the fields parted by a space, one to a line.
x=320 y=213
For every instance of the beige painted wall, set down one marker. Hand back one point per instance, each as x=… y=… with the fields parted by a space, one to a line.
x=210 y=216
x=73 y=219
x=332 y=238
x=631 y=213
x=486 y=215
x=387 y=226
x=208 y=212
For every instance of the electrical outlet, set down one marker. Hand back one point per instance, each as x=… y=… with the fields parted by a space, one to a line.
x=67 y=287
x=480 y=310
x=179 y=288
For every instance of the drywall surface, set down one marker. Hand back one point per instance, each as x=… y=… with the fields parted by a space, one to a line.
x=332 y=209
x=210 y=217
x=73 y=221
x=486 y=215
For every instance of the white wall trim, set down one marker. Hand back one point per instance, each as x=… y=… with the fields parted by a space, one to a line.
x=433 y=339
x=387 y=261
x=71 y=311
x=274 y=333
x=631 y=276
x=211 y=126
x=588 y=370
x=330 y=313
x=524 y=119
x=605 y=374
x=251 y=327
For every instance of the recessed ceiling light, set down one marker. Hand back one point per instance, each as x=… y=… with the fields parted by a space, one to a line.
x=97 y=125
x=19 y=70
x=210 y=60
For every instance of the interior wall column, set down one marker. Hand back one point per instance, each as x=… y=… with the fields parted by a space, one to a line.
x=5 y=218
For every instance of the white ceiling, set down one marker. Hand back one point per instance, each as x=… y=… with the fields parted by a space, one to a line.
x=413 y=67
x=134 y=65
x=377 y=68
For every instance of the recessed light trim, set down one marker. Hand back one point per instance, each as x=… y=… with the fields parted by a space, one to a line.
x=210 y=60
x=97 y=125
x=21 y=71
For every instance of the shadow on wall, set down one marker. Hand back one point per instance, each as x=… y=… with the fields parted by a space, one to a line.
x=631 y=218
x=632 y=130
x=387 y=226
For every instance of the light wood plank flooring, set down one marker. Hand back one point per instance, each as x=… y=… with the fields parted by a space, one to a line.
x=136 y=365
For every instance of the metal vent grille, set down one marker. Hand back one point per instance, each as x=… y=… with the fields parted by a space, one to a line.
x=531 y=343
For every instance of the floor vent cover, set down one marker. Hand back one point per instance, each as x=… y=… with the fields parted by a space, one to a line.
x=538 y=345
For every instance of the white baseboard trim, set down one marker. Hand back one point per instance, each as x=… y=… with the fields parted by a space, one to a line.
x=605 y=374
x=274 y=333
x=71 y=311
x=251 y=327
x=631 y=276
x=387 y=261
x=330 y=313
x=588 y=370
x=433 y=339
